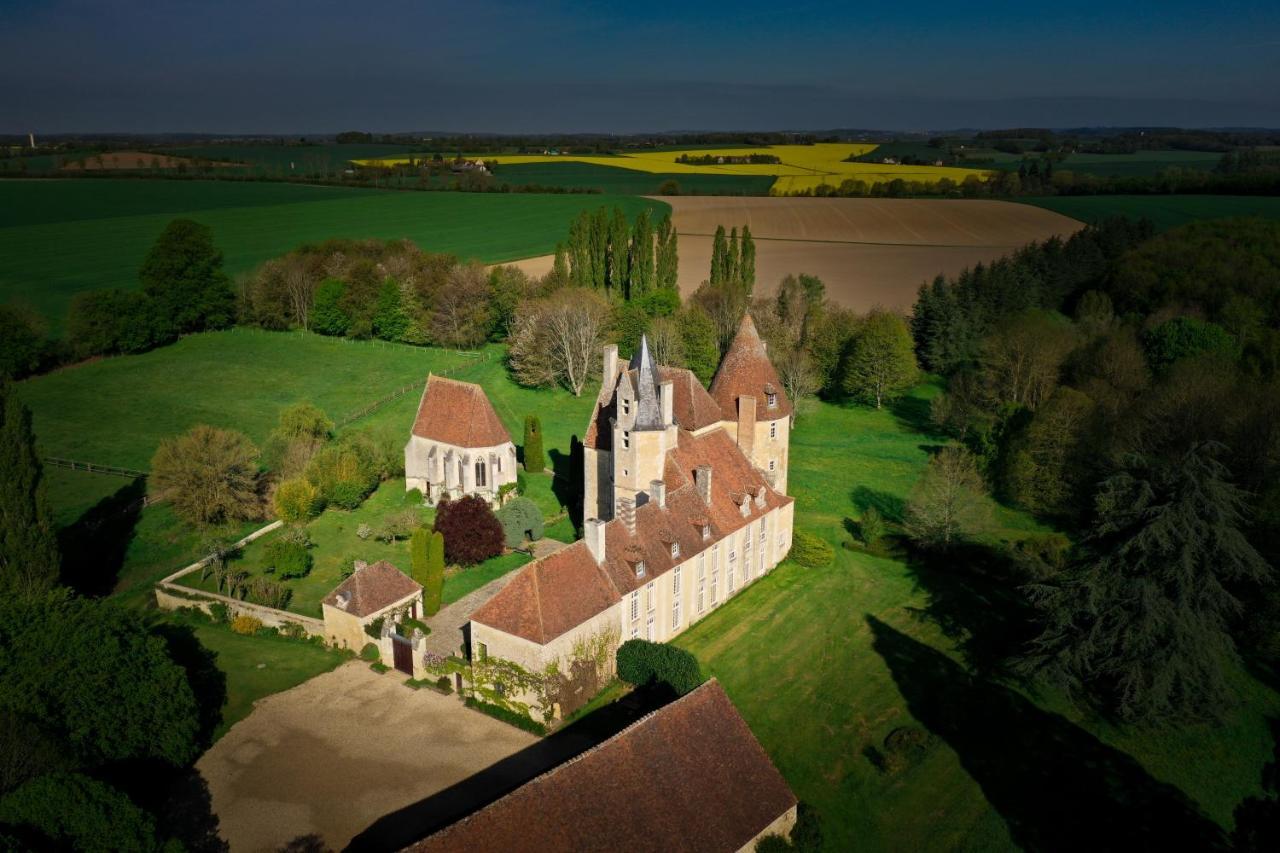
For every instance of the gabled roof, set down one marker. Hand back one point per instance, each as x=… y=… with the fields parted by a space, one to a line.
x=458 y=413
x=371 y=588
x=556 y=594
x=690 y=776
x=745 y=371
x=691 y=405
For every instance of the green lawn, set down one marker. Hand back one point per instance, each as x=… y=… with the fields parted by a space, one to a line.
x=823 y=664
x=1165 y=211
x=60 y=237
x=612 y=179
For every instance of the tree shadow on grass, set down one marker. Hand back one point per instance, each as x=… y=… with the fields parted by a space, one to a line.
x=94 y=547
x=914 y=414
x=890 y=507
x=208 y=682
x=567 y=486
x=411 y=823
x=1056 y=785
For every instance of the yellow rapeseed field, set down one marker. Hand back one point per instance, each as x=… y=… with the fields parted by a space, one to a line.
x=801 y=167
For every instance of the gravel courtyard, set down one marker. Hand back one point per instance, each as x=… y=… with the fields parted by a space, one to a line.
x=334 y=754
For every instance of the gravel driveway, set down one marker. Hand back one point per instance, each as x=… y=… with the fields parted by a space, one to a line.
x=334 y=754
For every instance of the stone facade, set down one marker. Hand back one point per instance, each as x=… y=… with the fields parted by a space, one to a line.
x=457 y=446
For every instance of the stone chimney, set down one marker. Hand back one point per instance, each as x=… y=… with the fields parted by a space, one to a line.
x=702 y=479
x=610 y=363
x=747 y=424
x=593 y=535
x=358 y=565
x=668 y=403
x=627 y=513
x=658 y=493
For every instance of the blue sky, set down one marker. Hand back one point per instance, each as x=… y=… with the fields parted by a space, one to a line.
x=322 y=66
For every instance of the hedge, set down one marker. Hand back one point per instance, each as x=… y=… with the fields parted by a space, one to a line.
x=808 y=550
x=516 y=719
x=641 y=662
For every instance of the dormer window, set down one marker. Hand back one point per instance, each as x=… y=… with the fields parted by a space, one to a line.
x=626 y=406
x=640 y=569
x=706 y=531
x=772 y=400
x=675 y=550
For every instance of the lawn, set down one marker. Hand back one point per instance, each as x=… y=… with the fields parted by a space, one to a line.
x=60 y=237
x=1165 y=211
x=823 y=664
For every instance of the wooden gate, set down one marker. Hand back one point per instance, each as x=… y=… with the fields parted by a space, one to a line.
x=402 y=654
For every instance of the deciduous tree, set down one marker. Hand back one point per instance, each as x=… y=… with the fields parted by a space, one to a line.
x=882 y=363
x=209 y=475
x=949 y=501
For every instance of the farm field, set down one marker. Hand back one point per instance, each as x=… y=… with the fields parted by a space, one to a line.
x=1165 y=211
x=1139 y=162
x=802 y=167
x=73 y=241
x=824 y=663
x=611 y=179
x=867 y=251
x=283 y=159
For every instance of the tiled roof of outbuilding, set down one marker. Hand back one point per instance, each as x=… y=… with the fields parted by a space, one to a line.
x=745 y=371
x=690 y=776
x=372 y=588
x=458 y=413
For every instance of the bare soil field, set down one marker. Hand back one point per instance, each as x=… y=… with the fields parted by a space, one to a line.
x=868 y=251
x=129 y=160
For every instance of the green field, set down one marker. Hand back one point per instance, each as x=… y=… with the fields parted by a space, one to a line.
x=58 y=238
x=609 y=179
x=1139 y=162
x=823 y=664
x=1165 y=211
x=286 y=159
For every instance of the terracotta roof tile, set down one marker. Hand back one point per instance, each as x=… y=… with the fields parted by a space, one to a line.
x=373 y=588
x=691 y=405
x=745 y=371
x=458 y=413
x=689 y=777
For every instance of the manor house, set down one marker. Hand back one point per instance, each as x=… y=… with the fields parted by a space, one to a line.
x=684 y=507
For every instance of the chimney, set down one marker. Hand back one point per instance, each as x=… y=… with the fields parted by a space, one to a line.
x=702 y=478
x=358 y=565
x=747 y=424
x=610 y=364
x=658 y=492
x=593 y=535
x=668 y=406
x=627 y=512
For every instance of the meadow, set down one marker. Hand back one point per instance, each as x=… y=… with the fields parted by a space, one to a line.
x=825 y=663
x=1165 y=211
x=621 y=181
x=58 y=238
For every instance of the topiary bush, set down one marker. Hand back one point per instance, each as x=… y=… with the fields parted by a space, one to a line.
x=641 y=662
x=370 y=652
x=287 y=559
x=472 y=533
x=520 y=517
x=535 y=460
x=810 y=551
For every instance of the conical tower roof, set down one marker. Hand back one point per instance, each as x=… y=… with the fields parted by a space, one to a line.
x=645 y=379
x=745 y=371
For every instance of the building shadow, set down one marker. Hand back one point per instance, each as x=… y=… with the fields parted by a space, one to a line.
x=414 y=822
x=94 y=547
x=1056 y=785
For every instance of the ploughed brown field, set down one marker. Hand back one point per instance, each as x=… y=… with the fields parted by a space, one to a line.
x=129 y=160
x=867 y=251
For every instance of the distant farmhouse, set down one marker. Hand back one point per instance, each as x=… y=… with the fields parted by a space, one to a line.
x=684 y=507
x=689 y=776
x=458 y=446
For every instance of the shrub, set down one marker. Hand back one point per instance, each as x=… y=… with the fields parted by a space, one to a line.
x=522 y=484
x=534 y=459
x=347 y=471
x=641 y=662
x=471 y=532
x=519 y=517
x=246 y=625
x=444 y=684
x=297 y=534
x=374 y=628
x=407 y=626
x=364 y=531
x=370 y=652
x=297 y=500
x=903 y=747
x=773 y=843
x=210 y=475
x=347 y=494
x=810 y=551
x=218 y=612
x=520 y=721
x=413 y=497
x=287 y=559
x=871 y=528
x=401 y=524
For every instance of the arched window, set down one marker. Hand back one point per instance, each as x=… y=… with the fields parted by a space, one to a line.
x=480 y=475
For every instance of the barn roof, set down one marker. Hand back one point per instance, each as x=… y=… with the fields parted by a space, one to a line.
x=459 y=414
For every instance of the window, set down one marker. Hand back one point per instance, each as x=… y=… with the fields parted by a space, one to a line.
x=715 y=578
x=635 y=630
x=702 y=581
x=648 y=630
x=733 y=556
x=482 y=651
x=626 y=440
x=773 y=400
x=499 y=464
x=675 y=613
x=675 y=550
x=675 y=582
x=480 y=479
x=462 y=471
x=626 y=406
x=635 y=605
x=653 y=600
x=706 y=531
x=772 y=465
x=640 y=569
x=773 y=428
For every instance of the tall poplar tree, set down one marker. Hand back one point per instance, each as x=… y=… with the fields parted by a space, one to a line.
x=747 y=261
x=668 y=260
x=28 y=540
x=559 y=268
x=641 y=277
x=719 y=260
x=599 y=247
x=619 y=250
x=732 y=259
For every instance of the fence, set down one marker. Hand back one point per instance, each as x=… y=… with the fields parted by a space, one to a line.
x=94 y=468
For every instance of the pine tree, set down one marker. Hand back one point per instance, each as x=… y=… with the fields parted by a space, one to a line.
x=1140 y=625
x=667 y=274
x=641 y=278
x=28 y=540
x=719 y=259
x=732 y=259
x=433 y=588
x=559 y=268
x=747 y=261
x=534 y=460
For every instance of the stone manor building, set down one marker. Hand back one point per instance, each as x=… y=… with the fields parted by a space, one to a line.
x=684 y=507
x=458 y=446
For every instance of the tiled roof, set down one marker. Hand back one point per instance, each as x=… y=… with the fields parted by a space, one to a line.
x=689 y=777
x=560 y=592
x=745 y=371
x=691 y=405
x=372 y=588
x=458 y=413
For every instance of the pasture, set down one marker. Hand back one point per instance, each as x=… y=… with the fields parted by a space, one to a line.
x=620 y=181
x=1165 y=211
x=825 y=663
x=58 y=238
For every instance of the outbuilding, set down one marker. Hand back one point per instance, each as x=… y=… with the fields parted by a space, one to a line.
x=372 y=592
x=458 y=446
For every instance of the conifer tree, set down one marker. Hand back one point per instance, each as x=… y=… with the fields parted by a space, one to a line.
x=559 y=268
x=619 y=250
x=599 y=247
x=747 y=261
x=28 y=540
x=668 y=257
x=433 y=588
x=641 y=278
x=534 y=460
x=719 y=260
x=732 y=260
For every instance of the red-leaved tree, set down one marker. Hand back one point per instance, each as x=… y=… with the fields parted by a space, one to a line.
x=472 y=533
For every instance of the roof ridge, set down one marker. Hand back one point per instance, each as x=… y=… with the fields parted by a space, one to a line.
x=535 y=569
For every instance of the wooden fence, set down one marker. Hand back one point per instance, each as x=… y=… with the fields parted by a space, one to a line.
x=94 y=468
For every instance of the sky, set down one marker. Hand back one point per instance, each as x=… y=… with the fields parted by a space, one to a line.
x=299 y=66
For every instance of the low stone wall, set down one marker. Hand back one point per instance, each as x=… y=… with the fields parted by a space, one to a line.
x=172 y=596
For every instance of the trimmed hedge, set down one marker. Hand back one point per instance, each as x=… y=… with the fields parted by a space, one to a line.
x=641 y=662
x=518 y=720
x=810 y=551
